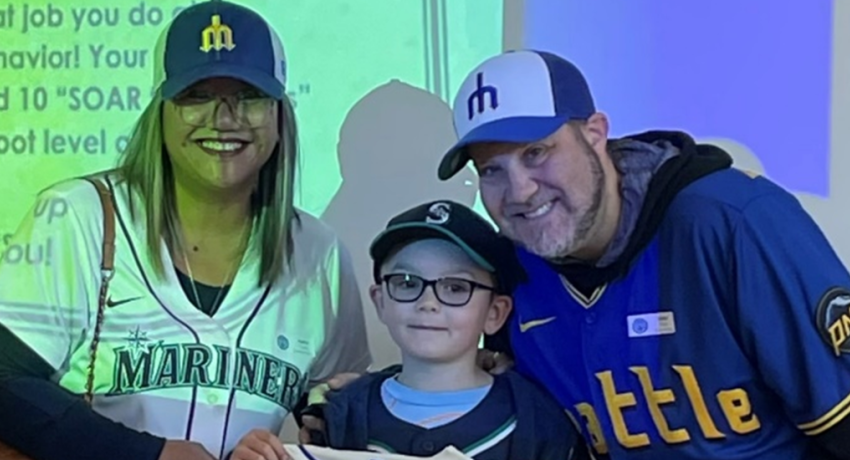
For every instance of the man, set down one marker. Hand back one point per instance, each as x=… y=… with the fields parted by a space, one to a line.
x=676 y=307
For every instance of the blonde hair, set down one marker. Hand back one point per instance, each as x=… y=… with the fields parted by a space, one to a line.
x=146 y=169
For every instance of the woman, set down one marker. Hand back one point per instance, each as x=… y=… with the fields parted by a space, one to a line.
x=225 y=302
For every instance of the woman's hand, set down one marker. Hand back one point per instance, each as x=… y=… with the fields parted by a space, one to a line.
x=260 y=445
x=184 y=450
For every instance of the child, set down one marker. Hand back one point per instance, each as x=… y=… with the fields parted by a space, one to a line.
x=443 y=277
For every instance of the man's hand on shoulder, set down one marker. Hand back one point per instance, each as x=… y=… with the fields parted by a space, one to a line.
x=494 y=362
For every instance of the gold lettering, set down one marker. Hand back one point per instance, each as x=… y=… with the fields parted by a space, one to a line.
x=689 y=380
x=655 y=398
x=591 y=421
x=739 y=412
x=616 y=402
x=838 y=333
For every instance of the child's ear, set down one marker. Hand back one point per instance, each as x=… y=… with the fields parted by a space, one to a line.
x=376 y=293
x=500 y=309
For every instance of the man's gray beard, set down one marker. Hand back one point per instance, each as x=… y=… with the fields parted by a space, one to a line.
x=561 y=251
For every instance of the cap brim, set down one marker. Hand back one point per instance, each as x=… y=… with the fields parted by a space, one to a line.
x=261 y=80
x=515 y=130
x=403 y=233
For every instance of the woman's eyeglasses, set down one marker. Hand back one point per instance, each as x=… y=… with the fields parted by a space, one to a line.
x=249 y=108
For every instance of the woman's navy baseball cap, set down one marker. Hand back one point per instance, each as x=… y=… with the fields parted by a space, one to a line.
x=219 y=39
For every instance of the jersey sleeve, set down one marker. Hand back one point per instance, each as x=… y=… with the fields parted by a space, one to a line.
x=47 y=276
x=793 y=295
x=347 y=347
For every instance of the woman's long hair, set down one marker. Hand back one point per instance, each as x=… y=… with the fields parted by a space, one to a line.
x=146 y=168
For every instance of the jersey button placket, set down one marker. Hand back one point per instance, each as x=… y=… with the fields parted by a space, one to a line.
x=594 y=351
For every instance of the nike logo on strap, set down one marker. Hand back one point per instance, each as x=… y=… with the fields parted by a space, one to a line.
x=114 y=303
x=524 y=327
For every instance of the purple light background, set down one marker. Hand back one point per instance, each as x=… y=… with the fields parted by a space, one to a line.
x=751 y=72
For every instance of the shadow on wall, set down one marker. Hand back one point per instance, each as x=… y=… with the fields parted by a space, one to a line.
x=389 y=147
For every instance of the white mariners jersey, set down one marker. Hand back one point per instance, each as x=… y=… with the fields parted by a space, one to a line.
x=307 y=452
x=163 y=366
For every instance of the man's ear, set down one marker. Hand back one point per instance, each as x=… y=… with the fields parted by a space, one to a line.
x=595 y=131
x=500 y=309
x=376 y=293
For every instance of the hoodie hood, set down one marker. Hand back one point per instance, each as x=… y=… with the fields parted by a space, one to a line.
x=654 y=167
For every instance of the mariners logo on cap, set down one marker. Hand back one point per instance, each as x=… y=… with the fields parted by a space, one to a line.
x=438 y=213
x=217 y=36
x=480 y=95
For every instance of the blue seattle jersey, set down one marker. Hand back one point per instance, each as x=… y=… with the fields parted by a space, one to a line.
x=727 y=339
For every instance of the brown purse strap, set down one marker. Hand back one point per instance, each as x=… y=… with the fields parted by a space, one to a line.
x=106 y=270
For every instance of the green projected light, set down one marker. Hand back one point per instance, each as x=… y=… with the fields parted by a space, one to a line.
x=75 y=75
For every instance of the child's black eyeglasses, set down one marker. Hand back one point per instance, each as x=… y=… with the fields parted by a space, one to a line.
x=452 y=292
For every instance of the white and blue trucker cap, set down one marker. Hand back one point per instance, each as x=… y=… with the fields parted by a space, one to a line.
x=518 y=96
x=219 y=39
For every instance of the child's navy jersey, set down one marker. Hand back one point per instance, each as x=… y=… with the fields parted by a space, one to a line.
x=727 y=339
x=516 y=420
x=483 y=433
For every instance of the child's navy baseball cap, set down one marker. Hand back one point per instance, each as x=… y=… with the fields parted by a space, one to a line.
x=518 y=96
x=458 y=224
x=219 y=39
